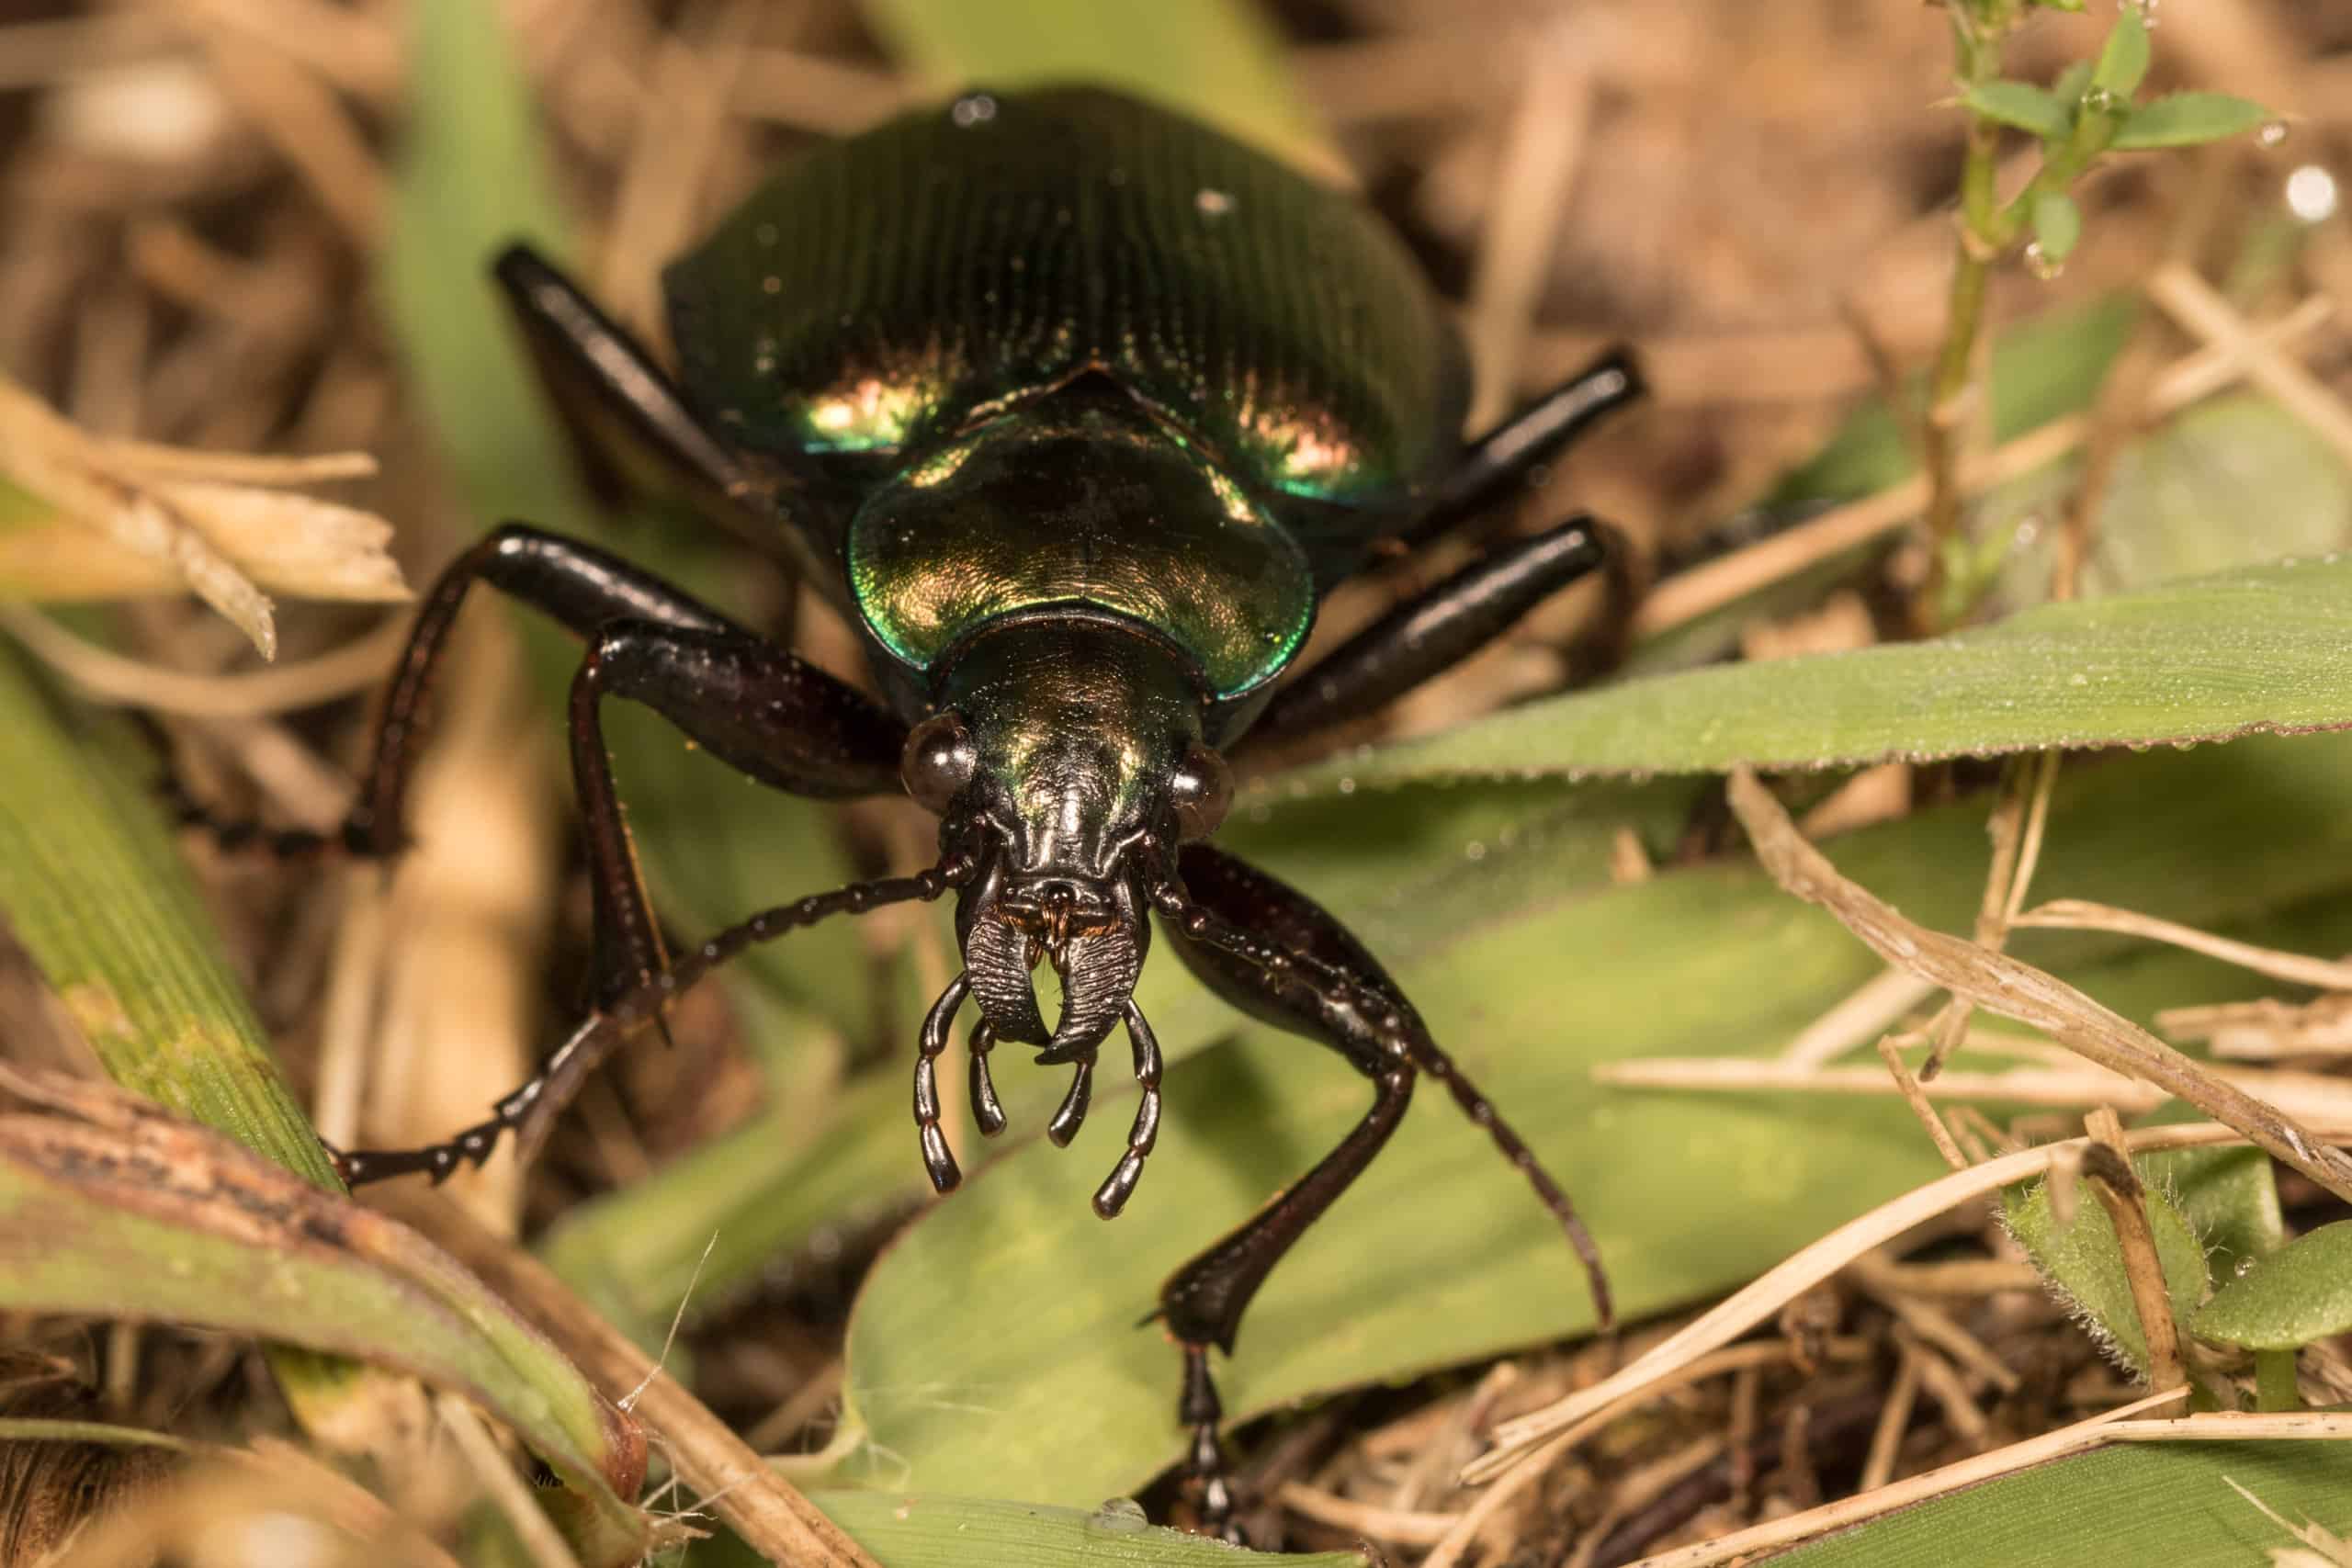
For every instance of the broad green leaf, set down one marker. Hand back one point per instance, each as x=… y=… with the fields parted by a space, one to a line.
x=2299 y=1294
x=2176 y=503
x=2083 y=1260
x=2186 y=119
x=472 y=178
x=1219 y=59
x=93 y=886
x=2263 y=648
x=2057 y=224
x=2135 y=1502
x=2123 y=61
x=2022 y=106
x=924 y=1531
x=1440 y=1256
x=1404 y=862
x=2230 y=1197
x=109 y=1209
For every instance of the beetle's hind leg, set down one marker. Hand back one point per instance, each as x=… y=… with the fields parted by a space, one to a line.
x=1447 y=622
x=1432 y=631
x=1272 y=953
x=1505 y=456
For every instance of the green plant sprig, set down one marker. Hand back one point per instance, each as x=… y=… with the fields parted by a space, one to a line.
x=2091 y=110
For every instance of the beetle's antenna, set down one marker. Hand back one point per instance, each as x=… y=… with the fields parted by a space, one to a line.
x=1398 y=1030
x=529 y=1110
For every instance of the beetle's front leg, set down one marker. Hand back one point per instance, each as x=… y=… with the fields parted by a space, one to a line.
x=754 y=706
x=1243 y=934
x=1272 y=952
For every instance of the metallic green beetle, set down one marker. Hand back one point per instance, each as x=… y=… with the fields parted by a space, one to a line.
x=1077 y=408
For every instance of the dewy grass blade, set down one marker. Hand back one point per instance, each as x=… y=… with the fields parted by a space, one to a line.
x=94 y=889
x=2261 y=649
x=109 y=1207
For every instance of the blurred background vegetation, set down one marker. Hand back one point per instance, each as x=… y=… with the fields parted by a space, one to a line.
x=259 y=227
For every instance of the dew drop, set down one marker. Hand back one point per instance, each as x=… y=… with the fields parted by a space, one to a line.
x=2243 y=1267
x=1474 y=851
x=1120 y=1515
x=971 y=109
x=2078 y=678
x=2273 y=132
x=1212 y=203
x=2311 y=194
x=2099 y=100
x=1347 y=786
x=2041 y=263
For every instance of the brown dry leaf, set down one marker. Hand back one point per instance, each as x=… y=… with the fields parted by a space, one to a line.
x=134 y=518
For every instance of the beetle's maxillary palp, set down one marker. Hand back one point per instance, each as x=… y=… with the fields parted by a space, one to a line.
x=1071 y=1115
x=1120 y=1185
x=988 y=1112
x=938 y=1160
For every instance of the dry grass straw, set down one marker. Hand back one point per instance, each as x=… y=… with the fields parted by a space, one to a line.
x=136 y=518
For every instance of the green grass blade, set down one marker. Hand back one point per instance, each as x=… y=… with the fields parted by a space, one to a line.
x=2263 y=648
x=1220 y=60
x=1439 y=1256
x=96 y=889
x=2171 y=1502
x=472 y=177
x=113 y=1210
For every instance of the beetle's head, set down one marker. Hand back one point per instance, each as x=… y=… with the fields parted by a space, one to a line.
x=1058 y=743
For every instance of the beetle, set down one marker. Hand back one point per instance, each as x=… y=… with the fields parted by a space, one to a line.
x=1078 y=409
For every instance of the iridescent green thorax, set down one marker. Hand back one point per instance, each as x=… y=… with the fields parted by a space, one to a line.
x=1085 y=500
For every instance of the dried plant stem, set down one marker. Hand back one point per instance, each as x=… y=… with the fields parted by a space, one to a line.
x=2294 y=968
x=1668 y=1362
x=2117 y=1186
x=738 y=1485
x=2001 y=985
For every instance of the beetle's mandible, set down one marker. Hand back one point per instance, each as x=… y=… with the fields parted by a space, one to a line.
x=1077 y=409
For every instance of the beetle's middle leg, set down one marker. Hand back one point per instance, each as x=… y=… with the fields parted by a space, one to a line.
x=1430 y=632
x=1503 y=458
x=1274 y=954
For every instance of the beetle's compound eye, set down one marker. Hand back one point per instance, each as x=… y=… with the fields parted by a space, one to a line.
x=939 y=761
x=1202 y=790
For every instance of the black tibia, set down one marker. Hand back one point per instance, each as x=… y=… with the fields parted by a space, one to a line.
x=754 y=707
x=750 y=704
x=579 y=586
x=1505 y=456
x=1433 y=631
x=1272 y=952
x=616 y=397
x=531 y=1109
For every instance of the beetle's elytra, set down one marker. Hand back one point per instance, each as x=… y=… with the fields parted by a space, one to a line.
x=1077 y=408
